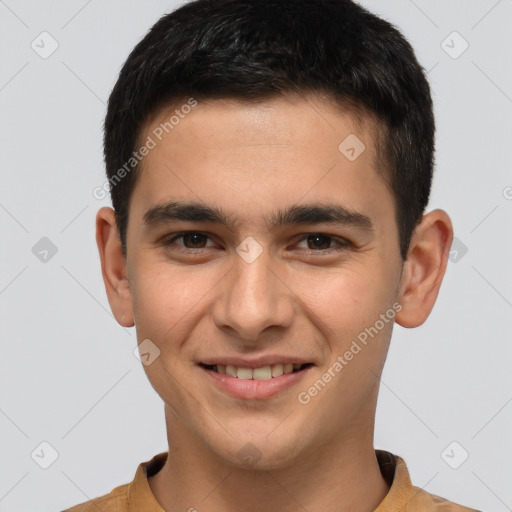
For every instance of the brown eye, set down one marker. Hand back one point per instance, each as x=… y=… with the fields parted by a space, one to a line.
x=191 y=240
x=194 y=240
x=322 y=243
x=319 y=241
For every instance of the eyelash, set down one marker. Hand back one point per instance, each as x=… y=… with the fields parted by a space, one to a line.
x=343 y=243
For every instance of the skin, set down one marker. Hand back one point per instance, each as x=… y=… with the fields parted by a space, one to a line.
x=294 y=299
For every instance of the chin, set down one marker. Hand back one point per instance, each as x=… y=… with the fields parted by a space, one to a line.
x=259 y=451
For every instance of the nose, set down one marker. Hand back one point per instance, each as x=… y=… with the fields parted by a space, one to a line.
x=253 y=298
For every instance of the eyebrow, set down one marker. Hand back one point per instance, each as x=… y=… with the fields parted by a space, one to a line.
x=296 y=214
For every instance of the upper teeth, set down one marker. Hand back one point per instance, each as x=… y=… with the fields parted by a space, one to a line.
x=263 y=373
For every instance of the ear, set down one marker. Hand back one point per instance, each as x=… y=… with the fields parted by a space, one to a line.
x=424 y=268
x=113 y=267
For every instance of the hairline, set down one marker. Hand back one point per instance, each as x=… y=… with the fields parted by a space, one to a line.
x=360 y=115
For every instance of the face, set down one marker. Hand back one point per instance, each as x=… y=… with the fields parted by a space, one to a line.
x=289 y=255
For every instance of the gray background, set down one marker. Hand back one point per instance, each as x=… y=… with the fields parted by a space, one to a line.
x=67 y=369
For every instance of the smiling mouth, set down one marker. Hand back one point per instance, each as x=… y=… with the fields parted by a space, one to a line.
x=262 y=373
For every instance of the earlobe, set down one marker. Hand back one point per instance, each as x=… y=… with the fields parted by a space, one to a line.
x=424 y=268
x=113 y=267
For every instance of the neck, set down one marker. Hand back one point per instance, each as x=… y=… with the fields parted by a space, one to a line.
x=343 y=475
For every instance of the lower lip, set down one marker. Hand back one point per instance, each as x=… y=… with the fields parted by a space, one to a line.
x=253 y=389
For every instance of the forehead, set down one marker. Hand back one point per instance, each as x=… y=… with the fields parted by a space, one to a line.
x=280 y=150
x=300 y=119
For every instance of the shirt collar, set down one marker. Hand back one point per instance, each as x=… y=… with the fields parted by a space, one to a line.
x=392 y=467
x=140 y=496
x=396 y=474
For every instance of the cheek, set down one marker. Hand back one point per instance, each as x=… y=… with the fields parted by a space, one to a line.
x=164 y=298
x=165 y=301
x=342 y=302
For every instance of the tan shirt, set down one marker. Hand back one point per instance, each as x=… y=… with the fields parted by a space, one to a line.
x=402 y=496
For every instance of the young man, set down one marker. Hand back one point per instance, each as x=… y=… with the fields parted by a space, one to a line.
x=270 y=162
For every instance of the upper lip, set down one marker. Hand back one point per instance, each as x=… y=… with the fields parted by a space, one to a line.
x=255 y=362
